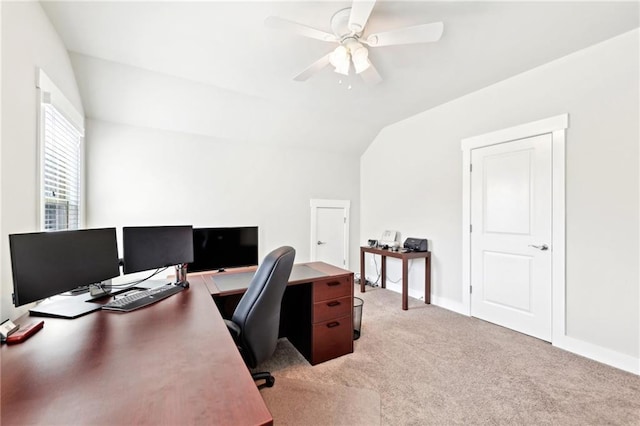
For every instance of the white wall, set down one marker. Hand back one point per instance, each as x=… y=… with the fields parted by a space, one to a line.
x=28 y=41
x=139 y=176
x=599 y=89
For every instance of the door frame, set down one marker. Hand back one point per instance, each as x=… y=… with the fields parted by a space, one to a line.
x=315 y=204
x=556 y=126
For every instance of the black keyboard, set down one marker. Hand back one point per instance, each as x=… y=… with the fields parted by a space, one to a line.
x=142 y=298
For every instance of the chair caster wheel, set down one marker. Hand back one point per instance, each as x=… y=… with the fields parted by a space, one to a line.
x=270 y=381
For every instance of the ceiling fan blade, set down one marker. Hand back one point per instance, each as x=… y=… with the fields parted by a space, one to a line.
x=419 y=34
x=313 y=68
x=370 y=75
x=303 y=30
x=360 y=12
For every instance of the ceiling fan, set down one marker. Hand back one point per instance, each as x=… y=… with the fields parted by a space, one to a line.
x=348 y=26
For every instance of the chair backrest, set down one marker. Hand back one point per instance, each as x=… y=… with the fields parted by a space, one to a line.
x=258 y=313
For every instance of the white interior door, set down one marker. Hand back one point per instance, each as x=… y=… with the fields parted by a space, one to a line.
x=511 y=217
x=330 y=232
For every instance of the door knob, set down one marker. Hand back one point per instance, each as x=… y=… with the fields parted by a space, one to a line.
x=542 y=247
x=321 y=242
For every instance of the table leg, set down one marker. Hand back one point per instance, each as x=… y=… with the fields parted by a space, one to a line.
x=405 y=284
x=427 y=279
x=363 y=278
x=383 y=271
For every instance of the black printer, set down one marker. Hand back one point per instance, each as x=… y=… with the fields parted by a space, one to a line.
x=416 y=244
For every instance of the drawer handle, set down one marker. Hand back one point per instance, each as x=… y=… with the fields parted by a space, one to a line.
x=333 y=283
x=333 y=324
x=332 y=304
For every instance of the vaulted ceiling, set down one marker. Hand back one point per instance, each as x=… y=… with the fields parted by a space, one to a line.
x=215 y=69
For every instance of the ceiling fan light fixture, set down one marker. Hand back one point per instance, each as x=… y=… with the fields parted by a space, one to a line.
x=340 y=59
x=360 y=58
x=339 y=56
x=343 y=68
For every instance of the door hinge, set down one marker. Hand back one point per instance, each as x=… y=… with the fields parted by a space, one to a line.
x=470 y=167
x=470 y=289
x=470 y=228
x=345 y=219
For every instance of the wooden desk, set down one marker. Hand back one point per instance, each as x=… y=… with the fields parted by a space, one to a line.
x=317 y=307
x=405 y=271
x=173 y=362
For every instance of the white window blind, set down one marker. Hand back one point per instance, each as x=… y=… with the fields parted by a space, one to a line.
x=61 y=172
x=60 y=158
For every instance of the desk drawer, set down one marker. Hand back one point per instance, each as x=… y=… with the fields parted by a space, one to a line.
x=332 y=339
x=332 y=288
x=329 y=309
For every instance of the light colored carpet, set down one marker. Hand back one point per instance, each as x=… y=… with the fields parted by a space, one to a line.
x=310 y=404
x=431 y=366
x=294 y=401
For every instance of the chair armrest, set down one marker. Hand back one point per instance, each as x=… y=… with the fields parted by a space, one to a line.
x=234 y=329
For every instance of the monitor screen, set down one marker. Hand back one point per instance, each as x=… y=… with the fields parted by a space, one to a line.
x=219 y=248
x=48 y=263
x=151 y=247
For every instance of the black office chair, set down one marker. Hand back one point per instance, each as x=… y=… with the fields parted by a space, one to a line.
x=256 y=320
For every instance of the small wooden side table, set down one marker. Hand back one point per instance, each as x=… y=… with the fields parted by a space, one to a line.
x=384 y=253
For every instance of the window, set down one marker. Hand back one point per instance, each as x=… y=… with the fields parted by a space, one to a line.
x=61 y=160
x=61 y=171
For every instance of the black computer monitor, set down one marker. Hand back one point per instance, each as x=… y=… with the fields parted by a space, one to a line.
x=220 y=248
x=48 y=263
x=151 y=247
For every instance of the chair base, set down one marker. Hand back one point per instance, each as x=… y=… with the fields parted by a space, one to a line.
x=269 y=379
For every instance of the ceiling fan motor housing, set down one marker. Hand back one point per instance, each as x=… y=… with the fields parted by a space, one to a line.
x=340 y=25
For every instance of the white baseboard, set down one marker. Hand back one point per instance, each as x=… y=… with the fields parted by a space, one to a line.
x=598 y=353
x=451 y=305
x=441 y=302
x=397 y=288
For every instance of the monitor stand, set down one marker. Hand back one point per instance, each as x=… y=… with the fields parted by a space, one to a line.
x=70 y=307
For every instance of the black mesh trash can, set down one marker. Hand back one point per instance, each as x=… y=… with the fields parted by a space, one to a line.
x=357 y=317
